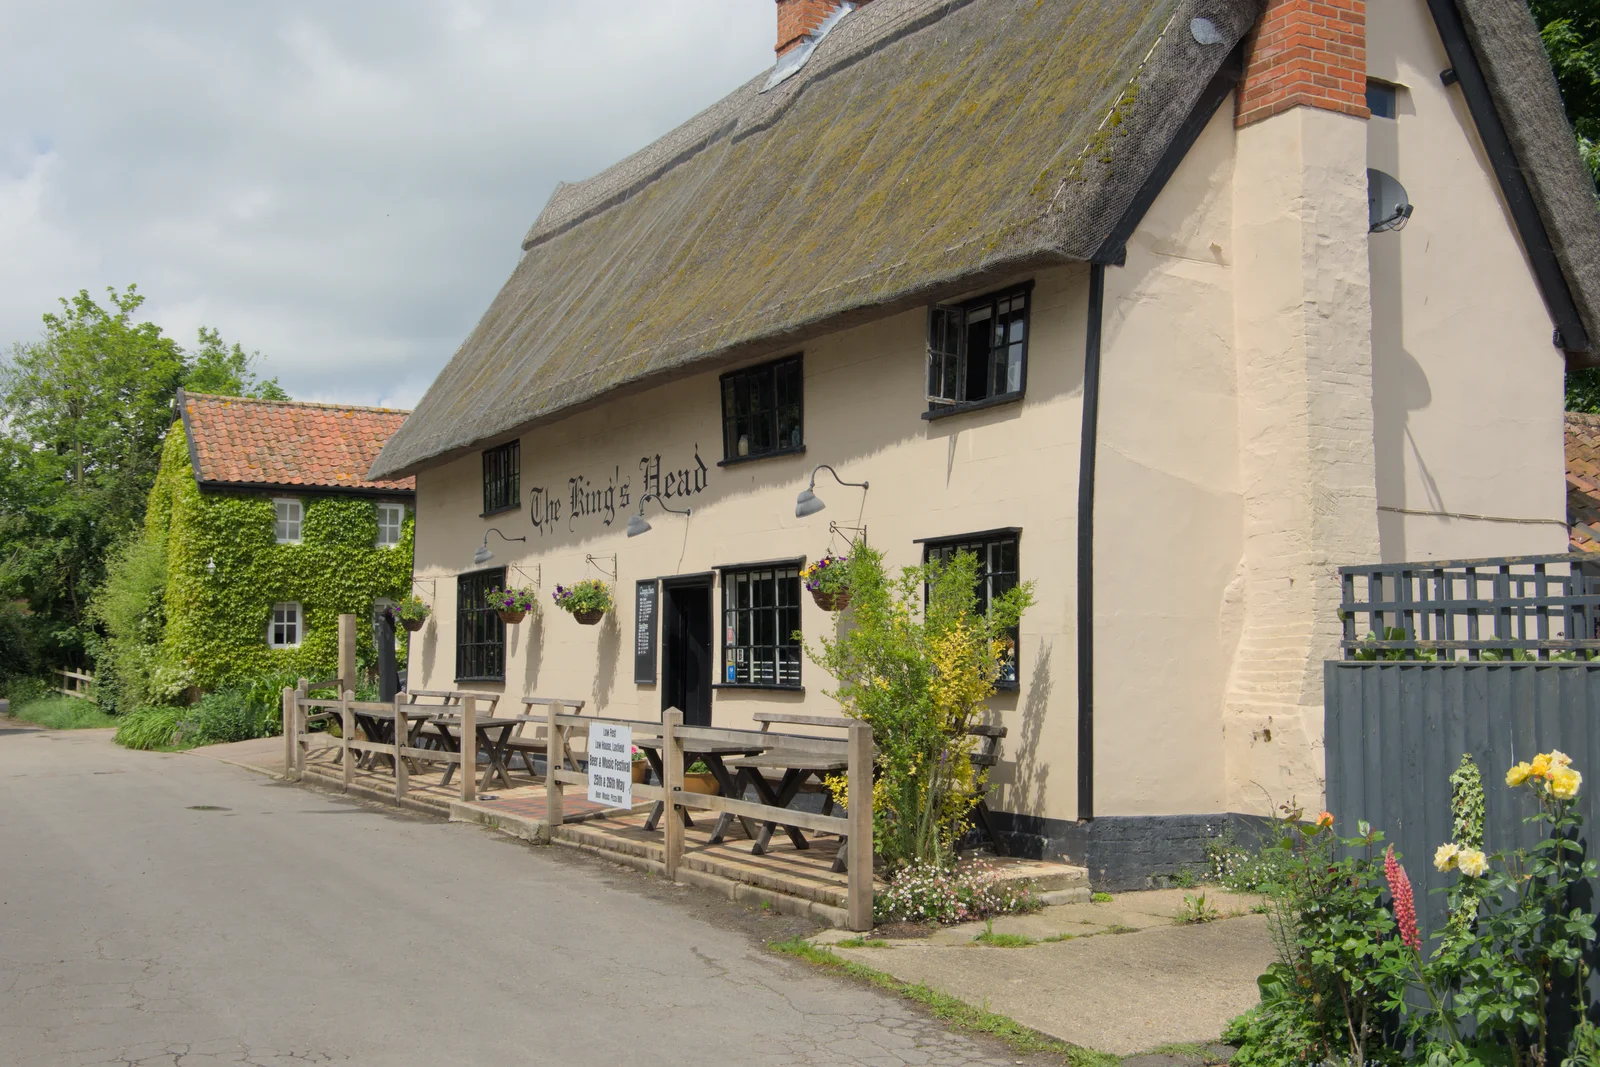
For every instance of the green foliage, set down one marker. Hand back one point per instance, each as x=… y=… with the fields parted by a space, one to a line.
x=591 y=594
x=917 y=666
x=411 y=608
x=19 y=647
x=62 y=713
x=129 y=608
x=1195 y=910
x=236 y=714
x=216 y=623
x=1239 y=866
x=1583 y=390
x=933 y=893
x=1571 y=33
x=221 y=370
x=1100 y=898
x=147 y=728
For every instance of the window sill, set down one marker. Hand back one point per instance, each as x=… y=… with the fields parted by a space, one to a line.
x=499 y=679
x=1007 y=687
x=760 y=688
x=736 y=460
x=499 y=511
x=972 y=405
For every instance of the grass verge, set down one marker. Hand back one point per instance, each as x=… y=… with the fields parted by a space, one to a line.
x=958 y=1013
x=63 y=713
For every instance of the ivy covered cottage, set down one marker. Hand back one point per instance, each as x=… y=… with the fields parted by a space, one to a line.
x=1169 y=307
x=270 y=530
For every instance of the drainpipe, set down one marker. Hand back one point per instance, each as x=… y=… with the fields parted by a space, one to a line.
x=1086 y=461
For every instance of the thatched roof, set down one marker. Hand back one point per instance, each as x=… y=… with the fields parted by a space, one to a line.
x=925 y=144
x=1505 y=40
x=925 y=147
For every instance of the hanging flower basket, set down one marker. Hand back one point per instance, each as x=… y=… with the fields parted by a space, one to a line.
x=512 y=605
x=587 y=601
x=831 y=601
x=825 y=582
x=412 y=613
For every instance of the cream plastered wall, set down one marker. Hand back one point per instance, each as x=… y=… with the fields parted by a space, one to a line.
x=1168 y=504
x=1467 y=387
x=1012 y=465
x=1302 y=317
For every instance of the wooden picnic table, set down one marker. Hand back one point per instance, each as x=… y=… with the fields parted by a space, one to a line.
x=379 y=727
x=712 y=756
x=795 y=769
x=493 y=733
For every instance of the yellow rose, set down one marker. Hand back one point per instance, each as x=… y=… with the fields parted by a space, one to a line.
x=1540 y=765
x=1518 y=774
x=1564 y=782
x=1559 y=758
x=1445 y=857
x=1472 y=863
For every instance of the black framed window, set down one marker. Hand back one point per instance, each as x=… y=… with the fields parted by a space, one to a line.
x=997 y=573
x=502 y=477
x=762 y=410
x=978 y=350
x=760 y=618
x=1381 y=99
x=480 y=635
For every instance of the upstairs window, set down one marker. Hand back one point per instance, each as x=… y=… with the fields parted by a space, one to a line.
x=978 y=351
x=391 y=521
x=286 y=527
x=1381 y=99
x=760 y=618
x=480 y=635
x=997 y=574
x=762 y=411
x=502 y=477
x=285 y=629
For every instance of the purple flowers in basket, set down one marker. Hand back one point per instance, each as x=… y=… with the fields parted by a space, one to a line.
x=510 y=599
x=825 y=574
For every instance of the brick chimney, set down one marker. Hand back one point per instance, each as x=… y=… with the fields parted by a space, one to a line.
x=799 y=18
x=1305 y=53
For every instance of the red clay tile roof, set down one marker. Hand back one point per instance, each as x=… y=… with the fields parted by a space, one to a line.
x=233 y=440
x=1583 y=481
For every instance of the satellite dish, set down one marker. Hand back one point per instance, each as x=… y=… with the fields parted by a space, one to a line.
x=1388 y=206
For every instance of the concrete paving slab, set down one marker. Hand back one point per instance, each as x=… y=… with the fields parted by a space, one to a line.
x=1122 y=993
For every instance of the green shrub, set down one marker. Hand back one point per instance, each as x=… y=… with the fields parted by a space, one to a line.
x=129 y=607
x=147 y=728
x=19 y=646
x=932 y=893
x=23 y=689
x=62 y=713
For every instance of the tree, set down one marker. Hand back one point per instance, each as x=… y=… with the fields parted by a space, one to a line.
x=83 y=412
x=217 y=368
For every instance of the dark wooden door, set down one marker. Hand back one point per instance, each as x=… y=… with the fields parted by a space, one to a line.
x=686 y=649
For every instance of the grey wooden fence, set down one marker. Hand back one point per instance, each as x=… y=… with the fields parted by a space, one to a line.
x=1396 y=730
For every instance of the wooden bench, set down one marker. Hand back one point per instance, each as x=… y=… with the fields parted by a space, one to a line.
x=526 y=746
x=444 y=702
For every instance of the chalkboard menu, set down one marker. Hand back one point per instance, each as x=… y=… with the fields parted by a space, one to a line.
x=644 y=631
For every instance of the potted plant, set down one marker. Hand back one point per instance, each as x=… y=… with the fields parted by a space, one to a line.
x=512 y=605
x=699 y=779
x=825 y=579
x=411 y=612
x=587 y=601
x=641 y=767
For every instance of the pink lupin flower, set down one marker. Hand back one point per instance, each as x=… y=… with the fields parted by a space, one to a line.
x=1405 y=907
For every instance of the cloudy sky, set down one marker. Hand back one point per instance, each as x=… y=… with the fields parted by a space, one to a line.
x=340 y=184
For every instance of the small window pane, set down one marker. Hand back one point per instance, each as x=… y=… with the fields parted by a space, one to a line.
x=502 y=476
x=762 y=409
x=977 y=351
x=480 y=635
x=1380 y=99
x=761 y=615
x=998 y=573
x=284 y=629
x=286 y=522
x=391 y=523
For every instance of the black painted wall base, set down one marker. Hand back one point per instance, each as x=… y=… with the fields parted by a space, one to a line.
x=1124 y=852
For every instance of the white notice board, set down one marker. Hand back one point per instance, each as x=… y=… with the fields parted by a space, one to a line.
x=611 y=765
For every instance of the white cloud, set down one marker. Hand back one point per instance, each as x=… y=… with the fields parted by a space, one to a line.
x=341 y=186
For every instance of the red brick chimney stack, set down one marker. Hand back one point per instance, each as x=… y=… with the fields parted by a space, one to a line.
x=799 y=18
x=1305 y=53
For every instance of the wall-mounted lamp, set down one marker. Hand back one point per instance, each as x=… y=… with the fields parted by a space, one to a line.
x=808 y=502
x=636 y=523
x=211 y=566
x=483 y=555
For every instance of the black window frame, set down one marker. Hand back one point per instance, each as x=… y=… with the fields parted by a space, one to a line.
x=476 y=620
x=985 y=539
x=949 y=365
x=772 y=376
x=784 y=623
x=502 y=478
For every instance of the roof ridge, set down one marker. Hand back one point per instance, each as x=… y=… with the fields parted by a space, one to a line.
x=296 y=403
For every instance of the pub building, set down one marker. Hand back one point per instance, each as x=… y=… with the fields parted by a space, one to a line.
x=1133 y=300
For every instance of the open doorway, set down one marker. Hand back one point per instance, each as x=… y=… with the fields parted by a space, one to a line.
x=686 y=647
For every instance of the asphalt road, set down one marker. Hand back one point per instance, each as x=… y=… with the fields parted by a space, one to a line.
x=169 y=910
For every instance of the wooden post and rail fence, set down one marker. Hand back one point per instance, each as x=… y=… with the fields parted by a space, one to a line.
x=79 y=684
